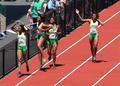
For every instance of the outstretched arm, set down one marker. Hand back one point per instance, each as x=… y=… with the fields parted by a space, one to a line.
x=84 y=20
x=25 y=27
x=100 y=22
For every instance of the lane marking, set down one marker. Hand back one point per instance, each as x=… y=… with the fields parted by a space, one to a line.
x=85 y=61
x=106 y=74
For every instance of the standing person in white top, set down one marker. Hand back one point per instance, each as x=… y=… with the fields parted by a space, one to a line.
x=21 y=45
x=93 y=34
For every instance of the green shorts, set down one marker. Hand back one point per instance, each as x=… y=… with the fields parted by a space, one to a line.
x=52 y=41
x=22 y=48
x=93 y=36
x=39 y=36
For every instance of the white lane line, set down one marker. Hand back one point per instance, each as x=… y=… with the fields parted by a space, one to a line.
x=106 y=74
x=62 y=79
x=65 y=50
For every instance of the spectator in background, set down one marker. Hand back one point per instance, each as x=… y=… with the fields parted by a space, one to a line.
x=90 y=7
x=50 y=9
x=70 y=15
x=35 y=9
x=61 y=9
x=51 y=4
x=87 y=8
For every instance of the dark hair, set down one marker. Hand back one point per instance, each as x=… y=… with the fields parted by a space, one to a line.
x=55 y=21
x=42 y=18
x=22 y=28
x=97 y=15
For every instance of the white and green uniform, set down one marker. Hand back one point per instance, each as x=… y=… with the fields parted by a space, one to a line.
x=40 y=34
x=22 y=45
x=53 y=38
x=93 y=29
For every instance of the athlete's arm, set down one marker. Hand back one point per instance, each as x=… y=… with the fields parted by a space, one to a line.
x=84 y=20
x=59 y=30
x=100 y=22
x=25 y=27
x=46 y=27
x=13 y=27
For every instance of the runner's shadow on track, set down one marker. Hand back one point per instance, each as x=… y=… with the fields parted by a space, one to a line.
x=45 y=69
x=24 y=74
x=97 y=61
x=57 y=65
x=100 y=61
x=50 y=67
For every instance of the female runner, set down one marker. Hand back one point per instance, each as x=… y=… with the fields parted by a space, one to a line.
x=93 y=34
x=22 y=45
x=53 y=40
x=41 y=37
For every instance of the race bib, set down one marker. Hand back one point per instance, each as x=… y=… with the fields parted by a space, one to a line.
x=94 y=31
x=21 y=42
x=52 y=36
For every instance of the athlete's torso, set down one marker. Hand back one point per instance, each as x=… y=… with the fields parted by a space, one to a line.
x=21 y=39
x=52 y=32
x=94 y=26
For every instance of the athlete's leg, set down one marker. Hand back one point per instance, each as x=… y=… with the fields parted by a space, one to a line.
x=54 y=50
x=19 y=55
x=41 y=54
x=91 y=46
x=95 y=44
x=49 y=47
x=25 y=56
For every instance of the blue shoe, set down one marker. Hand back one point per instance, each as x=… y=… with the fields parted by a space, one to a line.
x=94 y=59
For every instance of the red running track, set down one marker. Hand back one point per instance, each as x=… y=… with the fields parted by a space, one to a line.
x=89 y=73
x=75 y=55
x=113 y=79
